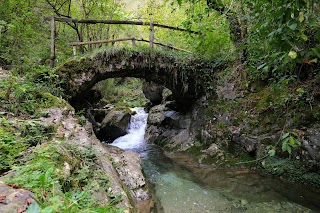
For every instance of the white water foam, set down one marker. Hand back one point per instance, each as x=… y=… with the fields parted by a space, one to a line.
x=136 y=130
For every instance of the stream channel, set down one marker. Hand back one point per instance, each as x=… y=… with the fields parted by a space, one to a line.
x=178 y=190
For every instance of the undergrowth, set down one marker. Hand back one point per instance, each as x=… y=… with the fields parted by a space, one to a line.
x=17 y=136
x=122 y=92
x=25 y=96
x=64 y=179
x=293 y=170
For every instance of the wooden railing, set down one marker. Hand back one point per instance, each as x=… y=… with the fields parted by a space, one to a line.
x=133 y=40
x=119 y=22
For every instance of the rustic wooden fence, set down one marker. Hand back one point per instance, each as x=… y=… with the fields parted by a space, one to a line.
x=119 y=22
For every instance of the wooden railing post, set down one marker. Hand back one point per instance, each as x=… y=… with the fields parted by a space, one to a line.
x=151 y=37
x=112 y=44
x=74 y=50
x=53 y=48
x=133 y=42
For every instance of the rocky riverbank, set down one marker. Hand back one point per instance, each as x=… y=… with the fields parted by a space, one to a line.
x=246 y=126
x=69 y=160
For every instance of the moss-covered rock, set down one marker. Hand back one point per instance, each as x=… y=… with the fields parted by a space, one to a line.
x=294 y=170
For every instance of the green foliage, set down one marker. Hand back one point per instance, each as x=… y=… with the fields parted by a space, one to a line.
x=278 y=38
x=284 y=95
x=214 y=41
x=63 y=179
x=289 y=140
x=47 y=79
x=284 y=36
x=81 y=117
x=10 y=148
x=23 y=37
x=27 y=96
x=12 y=144
x=122 y=92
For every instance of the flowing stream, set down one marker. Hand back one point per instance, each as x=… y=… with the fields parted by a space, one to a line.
x=179 y=190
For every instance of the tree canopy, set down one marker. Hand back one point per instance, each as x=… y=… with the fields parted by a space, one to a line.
x=274 y=39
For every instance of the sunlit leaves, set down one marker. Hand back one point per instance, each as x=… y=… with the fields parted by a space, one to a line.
x=301 y=17
x=286 y=27
x=292 y=54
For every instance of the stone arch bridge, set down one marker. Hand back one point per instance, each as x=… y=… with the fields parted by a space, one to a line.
x=183 y=76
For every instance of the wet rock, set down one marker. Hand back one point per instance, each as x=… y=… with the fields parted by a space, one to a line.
x=247 y=142
x=311 y=143
x=152 y=133
x=212 y=155
x=156 y=114
x=166 y=95
x=128 y=167
x=252 y=144
x=115 y=124
x=152 y=92
x=169 y=129
x=15 y=200
x=182 y=140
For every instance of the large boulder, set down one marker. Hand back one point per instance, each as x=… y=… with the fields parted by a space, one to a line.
x=114 y=124
x=169 y=128
x=99 y=114
x=153 y=92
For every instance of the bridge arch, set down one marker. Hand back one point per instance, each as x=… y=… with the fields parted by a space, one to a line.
x=181 y=76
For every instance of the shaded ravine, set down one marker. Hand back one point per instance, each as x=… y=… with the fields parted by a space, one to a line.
x=179 y=189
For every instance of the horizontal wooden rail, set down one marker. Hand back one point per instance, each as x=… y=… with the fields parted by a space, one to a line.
x=100 y=41
x=94 y=21
x=126 y=39
x=165 y=45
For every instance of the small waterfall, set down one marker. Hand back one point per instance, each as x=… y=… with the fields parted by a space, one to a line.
x=134 y=140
